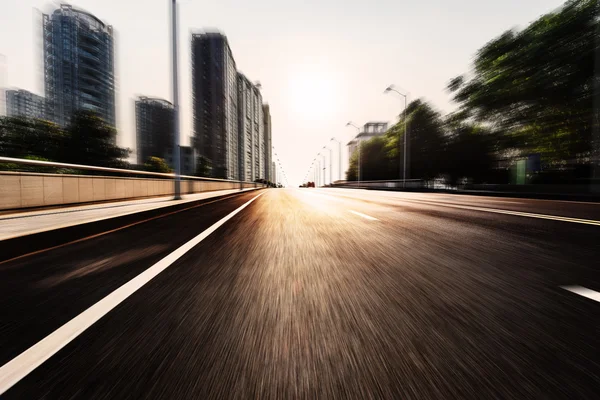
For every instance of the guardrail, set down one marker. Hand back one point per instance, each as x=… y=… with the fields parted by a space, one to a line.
x=35 y=189
x=541 y=190
x=391 y=184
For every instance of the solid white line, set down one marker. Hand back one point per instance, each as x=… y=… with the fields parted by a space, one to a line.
x=499 y=211
x=364 y=215
x=517 y=213
x=585 y=292
x=20 y=366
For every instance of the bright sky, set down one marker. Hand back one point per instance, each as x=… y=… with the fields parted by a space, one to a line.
x=320 y=62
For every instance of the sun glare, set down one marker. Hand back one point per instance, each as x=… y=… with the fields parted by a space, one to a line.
x=312 y=95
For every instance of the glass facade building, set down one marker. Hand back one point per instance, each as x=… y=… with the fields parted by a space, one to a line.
x=23 y=103
x=215 y=104
x=154 y=128
x=78 y=65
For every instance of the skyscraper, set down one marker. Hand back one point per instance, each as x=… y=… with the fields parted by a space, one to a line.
x=268 y=144
x=154 y=128
x=23 y=103
x=78 y=65
x=215 y=103
x=250 y=129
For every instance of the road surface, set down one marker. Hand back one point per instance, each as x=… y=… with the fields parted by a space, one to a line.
x=304 y=294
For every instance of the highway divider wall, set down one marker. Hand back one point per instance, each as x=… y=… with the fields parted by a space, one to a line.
x=24 y=189
x=579 y=192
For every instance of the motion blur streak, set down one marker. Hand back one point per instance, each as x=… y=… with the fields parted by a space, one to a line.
x=296 y=297
x=20 y=366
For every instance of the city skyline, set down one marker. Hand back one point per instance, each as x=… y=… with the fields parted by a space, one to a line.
x=311 y=81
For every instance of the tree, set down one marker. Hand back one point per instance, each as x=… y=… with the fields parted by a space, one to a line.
x=425 y=141
x=382 y=156
x=536 y=86
x=22 y=137
x=93 y=142
x=468 y=153
x=203 y=166
x=157 y=164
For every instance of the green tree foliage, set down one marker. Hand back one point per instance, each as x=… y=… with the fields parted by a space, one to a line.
x=22 y=137
x=530 y=94
x=469 y=153
x=203 y=166
x=87 y=140
x=93 y=142
x=382 y=156
x=536 y=86
x=157 y=164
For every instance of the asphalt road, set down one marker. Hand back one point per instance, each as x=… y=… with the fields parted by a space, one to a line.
x=320 y=293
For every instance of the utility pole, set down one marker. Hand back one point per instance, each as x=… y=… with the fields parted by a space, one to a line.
x=176 y=153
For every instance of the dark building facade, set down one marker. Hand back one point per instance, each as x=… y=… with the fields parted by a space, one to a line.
x=250 y=129
x=154 y=128
x=78 y=65
x=215 y=103
x=187 y=160
x=268 y=143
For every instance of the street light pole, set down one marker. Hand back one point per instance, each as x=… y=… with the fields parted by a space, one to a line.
x=391 y=89
x=357 y=141
x=324 y=182
x=318 y=170
x=339 y=157
x=176 y=153
x=330 y=162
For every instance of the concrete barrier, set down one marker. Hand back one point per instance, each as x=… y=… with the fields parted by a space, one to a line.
x=24 y=189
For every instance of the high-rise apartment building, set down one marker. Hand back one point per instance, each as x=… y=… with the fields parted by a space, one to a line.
x=154 y=127
x=215 y=103
x=78 y=65
x=268 y=144
x=250 y=128
x=23 y=103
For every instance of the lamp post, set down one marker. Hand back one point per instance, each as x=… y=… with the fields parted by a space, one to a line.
x=176 y=154
x=324 y=181
x=319 y=170
x=339 y=157
x=357 y=141
x=330 y=162
x=391 y=89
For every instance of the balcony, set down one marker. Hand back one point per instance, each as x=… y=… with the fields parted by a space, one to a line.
x=89 y=56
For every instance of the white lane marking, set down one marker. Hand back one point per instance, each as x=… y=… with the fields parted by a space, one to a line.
x=517 y=213
x=585 y=292
x=499 y=211
x=20 y=366
x=363 y=215
x=524 y=200
x=322 y=195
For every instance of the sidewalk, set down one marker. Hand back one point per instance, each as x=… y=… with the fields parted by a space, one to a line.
x=26 y=223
